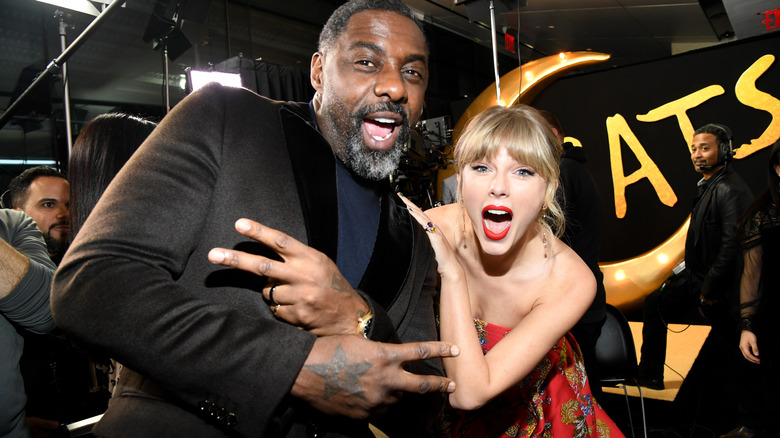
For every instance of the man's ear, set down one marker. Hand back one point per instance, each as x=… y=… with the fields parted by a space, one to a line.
x=316 y=71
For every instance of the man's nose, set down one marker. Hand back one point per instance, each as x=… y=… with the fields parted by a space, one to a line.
x=390 y=83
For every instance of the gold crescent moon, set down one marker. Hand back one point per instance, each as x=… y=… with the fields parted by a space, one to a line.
x=628 y=281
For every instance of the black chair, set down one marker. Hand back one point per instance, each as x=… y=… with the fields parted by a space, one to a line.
x=616 y=357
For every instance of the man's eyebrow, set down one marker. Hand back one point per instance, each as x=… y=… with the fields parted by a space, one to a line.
x=47 y=200
x=417 y=57
x=379 y=49
x=366 y=44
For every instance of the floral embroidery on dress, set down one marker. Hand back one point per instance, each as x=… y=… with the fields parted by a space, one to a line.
x=481 y=333
x=554 y=400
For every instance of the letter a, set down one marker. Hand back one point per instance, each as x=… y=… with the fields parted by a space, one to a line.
x=617 y=128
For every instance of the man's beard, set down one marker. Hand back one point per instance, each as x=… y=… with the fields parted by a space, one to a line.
x=56 y=247
x=363 y=161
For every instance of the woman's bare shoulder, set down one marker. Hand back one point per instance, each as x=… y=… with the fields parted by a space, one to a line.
x=570 y=271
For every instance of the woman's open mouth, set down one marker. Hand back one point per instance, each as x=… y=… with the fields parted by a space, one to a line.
x=496 y=221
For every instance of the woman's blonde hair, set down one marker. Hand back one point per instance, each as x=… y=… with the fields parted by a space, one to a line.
x=527 y=138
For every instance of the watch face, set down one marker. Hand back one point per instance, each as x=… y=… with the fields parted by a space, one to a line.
x=365 y=324
x=367 y=327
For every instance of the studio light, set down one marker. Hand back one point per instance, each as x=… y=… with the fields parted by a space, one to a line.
x=83 y=6
x=164 y=31
x=197 y=79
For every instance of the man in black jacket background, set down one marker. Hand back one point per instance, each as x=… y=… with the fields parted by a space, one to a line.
x=700 y=293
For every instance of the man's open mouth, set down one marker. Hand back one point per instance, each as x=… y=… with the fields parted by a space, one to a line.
x=380 y=128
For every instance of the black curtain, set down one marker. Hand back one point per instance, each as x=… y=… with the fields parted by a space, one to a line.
x=274 y=81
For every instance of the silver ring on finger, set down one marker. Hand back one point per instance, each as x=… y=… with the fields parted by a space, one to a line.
x=431 y=228
x=271 y=295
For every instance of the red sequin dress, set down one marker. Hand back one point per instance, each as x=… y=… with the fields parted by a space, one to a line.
x=554 y=400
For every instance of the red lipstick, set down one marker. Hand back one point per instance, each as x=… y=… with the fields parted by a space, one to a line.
x=496 y=221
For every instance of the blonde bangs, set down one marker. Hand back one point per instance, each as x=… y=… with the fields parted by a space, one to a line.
x=521 y=130
x=527 y=138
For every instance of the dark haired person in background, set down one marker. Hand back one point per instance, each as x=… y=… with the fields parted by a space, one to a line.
x=43 y=193
x=759 y=234
x=56 y=373
x=203 y=350
x=709 y=278
x=25 y=282
x=101 y=149
x=103 y=146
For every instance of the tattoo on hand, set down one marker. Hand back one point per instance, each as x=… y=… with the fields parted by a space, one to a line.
x=340 y=284
x=340 y=375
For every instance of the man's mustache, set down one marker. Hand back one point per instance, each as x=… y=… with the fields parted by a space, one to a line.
x=60 y=223
x=382 y=107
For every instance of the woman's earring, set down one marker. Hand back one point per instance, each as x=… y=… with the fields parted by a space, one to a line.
x=463 y=219
x=544 y=229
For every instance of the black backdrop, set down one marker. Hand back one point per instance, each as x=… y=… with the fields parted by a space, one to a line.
x=274 y=81
x=584 y=102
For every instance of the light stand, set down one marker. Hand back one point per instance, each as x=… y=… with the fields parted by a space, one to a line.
x=164 y=30
x=170 y=41
x=65 y=88
x=57 y=63
x=166 y=88
x=166 y=75
x=495 y=51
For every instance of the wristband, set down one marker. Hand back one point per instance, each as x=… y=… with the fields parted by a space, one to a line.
x=364 y=324
x=746 y=323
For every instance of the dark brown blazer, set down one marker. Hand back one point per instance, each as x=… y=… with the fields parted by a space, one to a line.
x=205 y=356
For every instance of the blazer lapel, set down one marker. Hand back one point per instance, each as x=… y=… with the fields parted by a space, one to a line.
x=390 y=262
x=313 y=165
x=315 y=176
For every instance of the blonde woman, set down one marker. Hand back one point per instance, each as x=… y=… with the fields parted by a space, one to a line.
x=510 y=289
